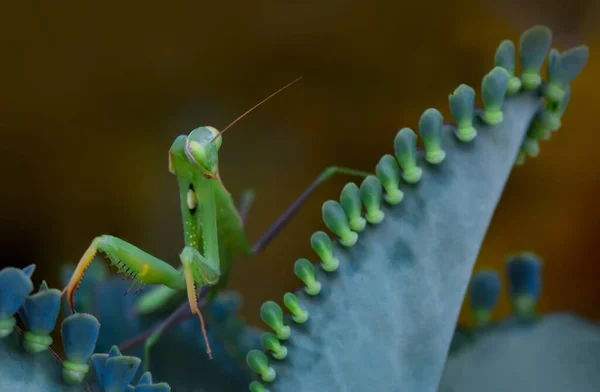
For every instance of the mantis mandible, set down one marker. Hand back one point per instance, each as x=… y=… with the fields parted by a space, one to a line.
x=212 y=226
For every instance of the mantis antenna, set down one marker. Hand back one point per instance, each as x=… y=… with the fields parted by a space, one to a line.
x=254 y=107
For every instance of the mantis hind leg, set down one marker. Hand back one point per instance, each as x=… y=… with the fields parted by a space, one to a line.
x=287 y=216
x=152 y=334
x=156 y=332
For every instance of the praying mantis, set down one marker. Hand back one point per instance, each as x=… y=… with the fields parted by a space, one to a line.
x=213 y=230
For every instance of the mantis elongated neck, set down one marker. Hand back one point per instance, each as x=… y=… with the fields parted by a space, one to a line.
x=205 y=190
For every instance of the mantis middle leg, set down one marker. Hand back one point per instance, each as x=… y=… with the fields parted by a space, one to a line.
x=287 y=216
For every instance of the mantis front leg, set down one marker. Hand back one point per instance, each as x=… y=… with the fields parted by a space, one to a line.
x=133 y=262
x=199 y=272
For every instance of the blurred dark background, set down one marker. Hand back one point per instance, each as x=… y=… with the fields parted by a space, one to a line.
x=92 y=94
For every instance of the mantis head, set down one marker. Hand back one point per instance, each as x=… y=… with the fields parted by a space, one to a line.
x=202 y=149
x=202 y=144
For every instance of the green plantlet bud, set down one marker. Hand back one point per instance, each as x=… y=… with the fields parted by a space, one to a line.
x=350 y=201
x=521 y=156
x=79 y=335
x=272 y=315
x=505 y=58
x=336 y=220
x=493 y=90
x=371 y=194
x=388 y=172
x=530 y=147
x=462 y=102
x=552 y=92
x=291 y=302
x=258 y=362
x=321 y=244
x=524 y=278
x=563 y=68
x=306 y=272
x=537 y=129
x=15 y=287
x=430 y=129
x=535 y=43
x=484 y=295
x=7 y=326
x=271 y=343
x=35 y=343
x=564 y=102
x=74 y=373
x=550 y=117
x=548 y=120
x=40 y=311
x=405 y=149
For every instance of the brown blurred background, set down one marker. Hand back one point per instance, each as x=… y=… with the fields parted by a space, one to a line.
x=92 y=97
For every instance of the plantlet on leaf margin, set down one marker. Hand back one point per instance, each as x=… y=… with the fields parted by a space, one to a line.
x=27 y=361
x=527 y=351
x=384 y=320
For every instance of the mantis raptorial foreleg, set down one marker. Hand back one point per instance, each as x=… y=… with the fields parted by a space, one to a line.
x=133 y=262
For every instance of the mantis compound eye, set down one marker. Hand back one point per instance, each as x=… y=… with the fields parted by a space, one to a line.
x=201 y=150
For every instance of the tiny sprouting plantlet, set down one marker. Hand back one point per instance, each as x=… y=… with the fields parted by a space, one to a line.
x=213 y=230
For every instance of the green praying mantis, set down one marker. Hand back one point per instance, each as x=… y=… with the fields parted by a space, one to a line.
x=213 y=230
